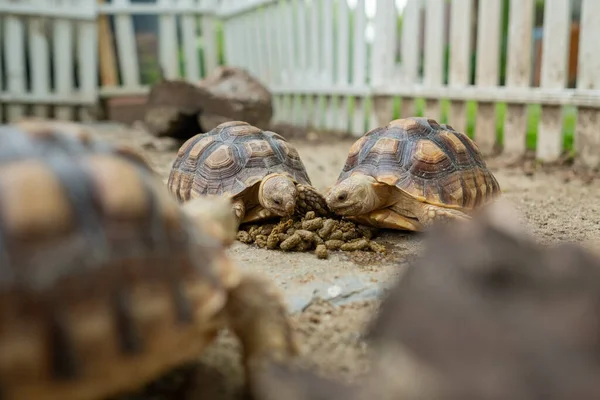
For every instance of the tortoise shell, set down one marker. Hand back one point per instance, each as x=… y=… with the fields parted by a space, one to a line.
x=68 y=136
x=230 y=159
x=104 y=282
x=431 y=162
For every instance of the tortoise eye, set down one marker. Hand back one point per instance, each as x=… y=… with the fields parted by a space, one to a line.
x=277 y=201
x=342 y=196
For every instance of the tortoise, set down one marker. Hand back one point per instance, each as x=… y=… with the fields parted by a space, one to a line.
x=485 y=312
x=410 y=173
x=106 y=281
x=259 y=170
x=82 y=137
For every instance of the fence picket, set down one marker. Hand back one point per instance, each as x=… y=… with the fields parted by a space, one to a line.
x=126 y=48
x=343 y=62
x=359 y=47
x=39 y=56
x=256 y=33
x=2 y=55
x=269 y=38
x=316 y=116
x=209 y=38
x=488 y=53
x=383 y=60
x=518 y=74
x=411 y=25
x=189 y=45
x=168 y=45
x=288 y=32
x=63 y=65
x=87 y=35
x=326 y=77
x=587 y=141
x=434 y=53
x=15 y=60
x=461 y=16
x=553 y=75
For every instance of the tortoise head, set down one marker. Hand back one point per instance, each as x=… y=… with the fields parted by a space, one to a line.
x=215 y=215
x=278 y=194
x=355 y=195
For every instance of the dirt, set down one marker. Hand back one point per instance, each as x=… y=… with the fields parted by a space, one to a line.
x=556 y=205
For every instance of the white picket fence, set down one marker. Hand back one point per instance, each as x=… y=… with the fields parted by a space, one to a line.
x=49 y=57
x=331 y=64
x=304 y=54
x=60 y=56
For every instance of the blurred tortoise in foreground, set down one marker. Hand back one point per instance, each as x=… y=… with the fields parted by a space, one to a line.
x=69 y=135
x=485 y=313
x=259 y=170
x=106 y=282
x=411 y=173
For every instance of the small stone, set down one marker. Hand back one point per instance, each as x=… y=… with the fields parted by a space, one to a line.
x=321 y=251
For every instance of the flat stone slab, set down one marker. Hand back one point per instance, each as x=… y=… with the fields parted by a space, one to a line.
x=303 y=277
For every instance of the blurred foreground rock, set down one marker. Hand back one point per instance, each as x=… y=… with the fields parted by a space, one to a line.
x=485 y=313
x=181 y=109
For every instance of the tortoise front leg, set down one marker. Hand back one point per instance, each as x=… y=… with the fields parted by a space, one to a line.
x=309 y=199
x=256 y=314
x=239 y=209
x=387 y=219
x=429 y=214
x=258 y=213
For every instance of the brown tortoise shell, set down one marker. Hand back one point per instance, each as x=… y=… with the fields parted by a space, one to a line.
x=431 y=162
x=230 y=159
x=77 y=136
x=102 y=277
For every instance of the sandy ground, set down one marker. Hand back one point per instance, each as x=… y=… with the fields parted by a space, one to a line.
x=556 y=206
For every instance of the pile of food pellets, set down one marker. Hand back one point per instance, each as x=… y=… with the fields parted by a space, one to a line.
x=311 y=233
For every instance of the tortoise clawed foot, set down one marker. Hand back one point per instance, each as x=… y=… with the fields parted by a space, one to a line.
x=258 y=317
x=434 y=215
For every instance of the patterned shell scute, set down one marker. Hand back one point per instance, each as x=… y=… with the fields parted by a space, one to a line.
x=432 y=162
x=86 y=239
x=231 y=158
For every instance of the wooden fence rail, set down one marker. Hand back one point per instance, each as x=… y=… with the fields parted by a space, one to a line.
x=332 y=65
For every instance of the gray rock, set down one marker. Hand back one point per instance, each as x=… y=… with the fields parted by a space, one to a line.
x=232 y=94
x=181 y=109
